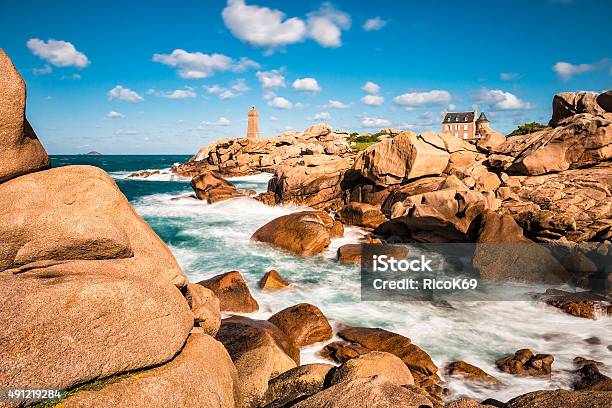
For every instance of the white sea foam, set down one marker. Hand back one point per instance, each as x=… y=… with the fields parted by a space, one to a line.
x=163 y=175
x=211 y=239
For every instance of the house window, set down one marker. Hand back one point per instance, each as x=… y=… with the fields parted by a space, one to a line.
x=465 y=135
x=465 y=127
x=457 y=127
x=456 y=134
x=447 y=127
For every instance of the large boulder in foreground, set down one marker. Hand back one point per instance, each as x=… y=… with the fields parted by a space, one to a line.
x=568 y=104
x=20 y=150
x=303 y=323
x=562 y=398
x=303 y=233
x=233 y=293
x=87 y=289
x=201 y=375
x=260 y=352
x=404 y=157
x=370 y=392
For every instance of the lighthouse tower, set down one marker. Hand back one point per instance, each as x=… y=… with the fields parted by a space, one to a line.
x=253 y=126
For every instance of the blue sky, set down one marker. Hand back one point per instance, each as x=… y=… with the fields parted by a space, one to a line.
x=160 y=77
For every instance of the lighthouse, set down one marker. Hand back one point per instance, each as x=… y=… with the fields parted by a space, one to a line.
x=253 y=126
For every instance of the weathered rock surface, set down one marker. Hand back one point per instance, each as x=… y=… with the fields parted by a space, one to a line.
x=362 y=215
x=374 y=363
x=574 y=204
x=404 y=157
x=562 y=398
x=568 y=104
x=591 y=379
x=366 y=393
x=213 y=188
x=237 y=157
x=418 y=361
x=579 y=141
x=604 y=100
x=296 y=384
x=232 y=291
x=260 y=352
x=525 y=363
x=21 y=152
x=349 y=254
x=471 y=373
x=489 y=139
x=467 y=403
x=202 y=375
x=314 y=181
x=205 y=307
x=272 y=281
x=303 y=323
x=580 y=304
x=304 y=233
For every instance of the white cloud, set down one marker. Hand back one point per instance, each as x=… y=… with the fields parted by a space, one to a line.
x=262 y=26
x=280 y=102
x=371 y=88
x=369 y=122
x=509 y=76
x=58 y=53
x=322 y=116
x=197 y=65
x=222 y=93
x=222 y=121
x=115 y=115
x=239 y=85
x=306 y=85
x=43 y=71
x=272 y=79
x=373 y=100
x=565 y=70
x=498 y=99
x=178 y=94
x=271 y=29
x=299 y=105
x=124 y=94
x=333 y=104
x=452 y=107
x=126 y=132
x=412 y=99
x=325 y=25
x=374 y=24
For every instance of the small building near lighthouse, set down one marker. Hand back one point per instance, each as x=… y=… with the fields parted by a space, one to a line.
x=464 y=125
x=253 y=124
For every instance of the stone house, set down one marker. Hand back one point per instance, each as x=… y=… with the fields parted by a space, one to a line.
x=464 y=125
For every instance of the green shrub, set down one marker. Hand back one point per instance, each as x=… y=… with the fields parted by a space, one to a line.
x=527 y=128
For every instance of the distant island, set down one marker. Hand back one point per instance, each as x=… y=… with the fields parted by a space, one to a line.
x=93 y=153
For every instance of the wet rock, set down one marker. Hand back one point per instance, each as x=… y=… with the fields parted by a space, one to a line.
x=272 y=281
x=205 y=307
x=20 y=150
x=525 y=363
x=232 y=291
x=562 y=398
x=268 y=198
x=342 y=351
x=349 y=254
x=591 y=379
x=374 y=363
x=201 y=373
x=471 y=373
x=365 y=393
x=304 y=233
x=303 y=323
x=362 y=215
x=213 y=188
x=296 y=384
x=584 y=304
x=260 y=352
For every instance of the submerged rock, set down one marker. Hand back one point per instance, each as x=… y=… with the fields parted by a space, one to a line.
x=470 y=373
x=304 y=233
x=272 y=281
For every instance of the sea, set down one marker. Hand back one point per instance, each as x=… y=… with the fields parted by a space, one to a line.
x=211 y=239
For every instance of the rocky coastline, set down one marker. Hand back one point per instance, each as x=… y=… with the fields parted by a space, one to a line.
x=95 y=304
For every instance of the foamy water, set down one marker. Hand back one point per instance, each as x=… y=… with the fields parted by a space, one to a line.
x=212 y=239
